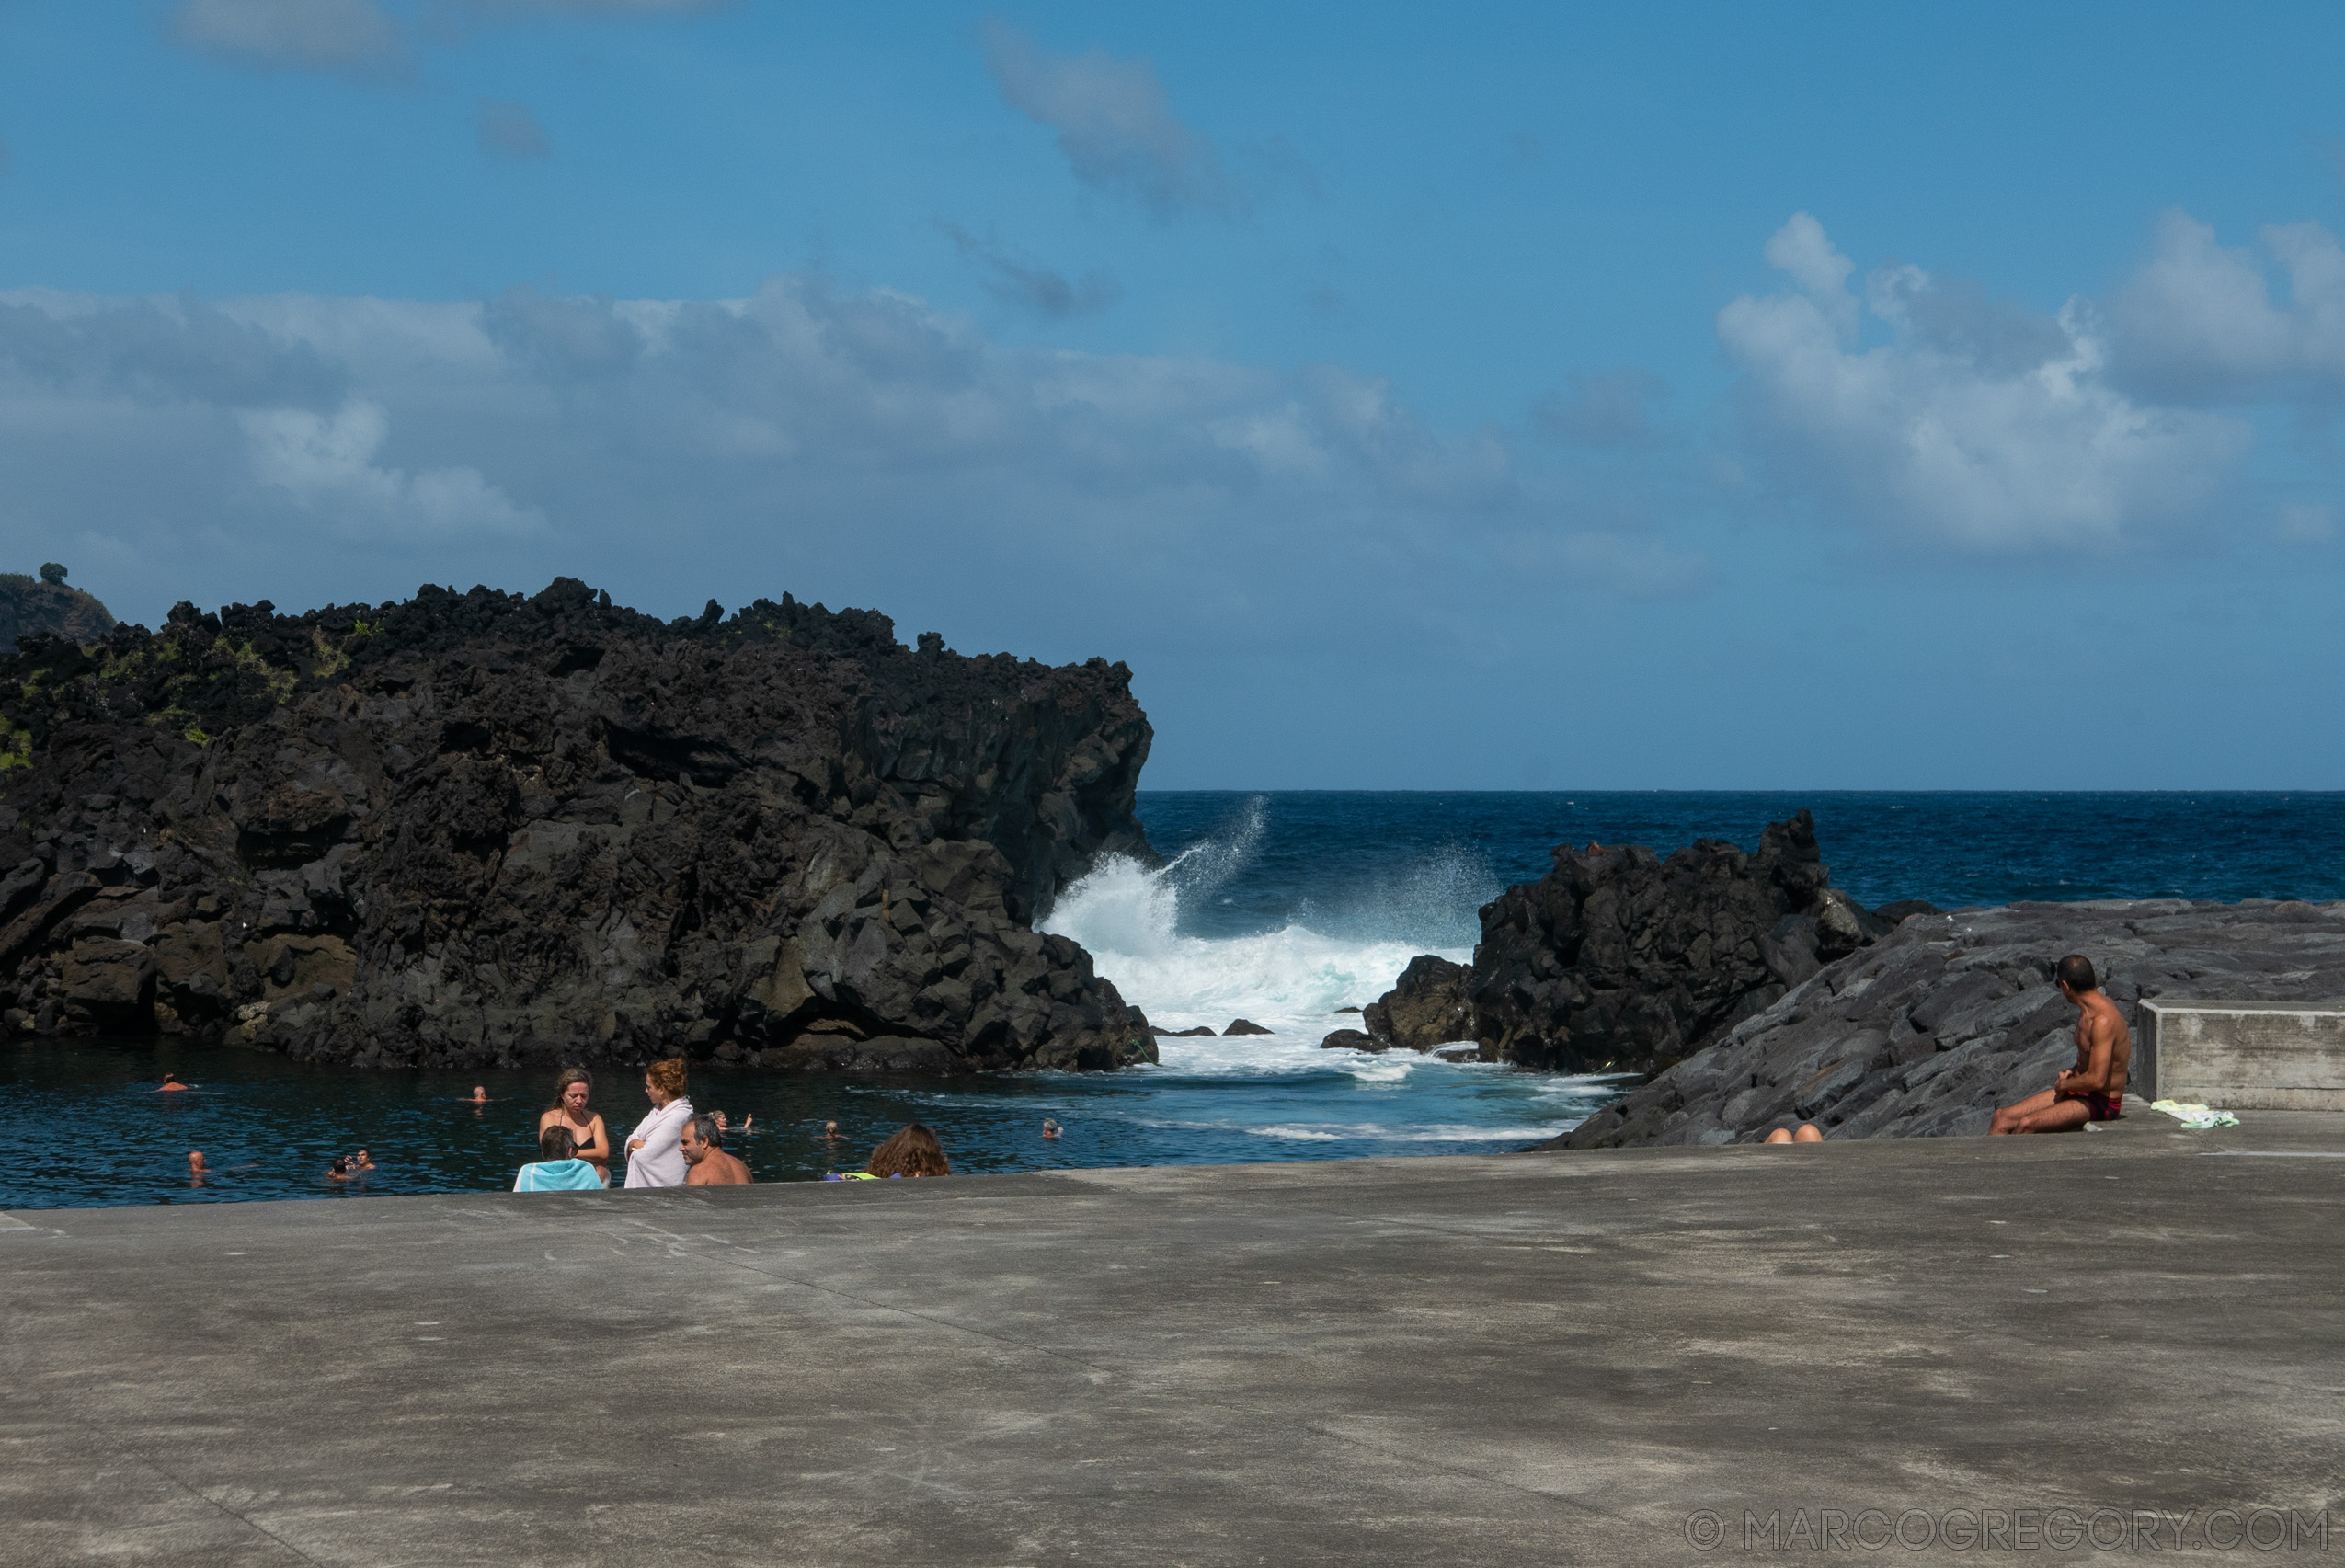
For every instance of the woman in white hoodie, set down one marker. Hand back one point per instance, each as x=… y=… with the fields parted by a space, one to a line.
x=653 y=1158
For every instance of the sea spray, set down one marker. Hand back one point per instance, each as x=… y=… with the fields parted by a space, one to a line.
x=1292 y=979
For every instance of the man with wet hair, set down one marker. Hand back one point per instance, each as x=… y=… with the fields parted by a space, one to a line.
x=711 y=1167
x=558 y=1168
x=2093 y=1090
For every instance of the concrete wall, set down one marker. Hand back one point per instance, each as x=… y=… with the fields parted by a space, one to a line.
x=2241 y=1055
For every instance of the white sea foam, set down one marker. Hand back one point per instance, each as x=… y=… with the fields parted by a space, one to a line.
x=1290 y=980
x=1378 y=1132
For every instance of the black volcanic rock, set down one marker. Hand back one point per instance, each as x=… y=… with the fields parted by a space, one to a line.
x=481 y=828
x=1351 y=1040
x=1925 y=1032
x=1618 y=960
x=32 y=608
x=1246 y=1026
x=1428 y=1006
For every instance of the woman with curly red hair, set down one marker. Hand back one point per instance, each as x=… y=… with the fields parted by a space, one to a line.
x=653 y=1158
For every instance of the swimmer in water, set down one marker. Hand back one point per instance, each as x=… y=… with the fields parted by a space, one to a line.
x=1049 y=1127
x=361 y=1161
x=171 y=1084
x=831 y=1132
x=340 y=1170
x=479 y=1096
x=196 y=1167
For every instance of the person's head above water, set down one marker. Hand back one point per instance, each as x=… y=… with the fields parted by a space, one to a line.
x=556 y=1143
x=665 y=1081
x=831 y=1130
x=171 y=1080
x=480 y=1093
x=340 y=1168
x=570 y=1091
x=2075 y=975
x=195 y=1163
x=914 y=1151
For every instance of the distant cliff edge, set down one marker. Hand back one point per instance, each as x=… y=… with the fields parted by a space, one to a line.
x=32 y=606
x=492 y=828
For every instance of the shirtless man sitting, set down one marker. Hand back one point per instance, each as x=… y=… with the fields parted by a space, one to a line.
x=711 y=1167
x=2093 y=1090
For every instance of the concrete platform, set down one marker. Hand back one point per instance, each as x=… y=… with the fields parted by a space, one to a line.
x=1517 y=1360
x=2270 y=1056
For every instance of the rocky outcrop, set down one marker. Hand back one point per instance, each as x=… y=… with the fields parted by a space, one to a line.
x=1244 y=1026
x=1429 y=1005
x=1925 y=1033
x=1621 y=961
x=481 y=828
x=31 y=608
x=1350 y=1040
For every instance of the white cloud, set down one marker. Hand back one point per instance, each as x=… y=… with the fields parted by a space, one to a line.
x=355 y=36
x=1801 y=250
x=327 y=464
x=1975 y=425
x=1115 y=122
x=365 y=38
x=509 y=131
x=839 y=443
x=2199 y=320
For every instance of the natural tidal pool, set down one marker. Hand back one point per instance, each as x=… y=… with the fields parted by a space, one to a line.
x=88 y=1126
x=1282 y=908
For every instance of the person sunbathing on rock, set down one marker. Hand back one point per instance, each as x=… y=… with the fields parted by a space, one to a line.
x=2093 y=1090
x=711 y=1167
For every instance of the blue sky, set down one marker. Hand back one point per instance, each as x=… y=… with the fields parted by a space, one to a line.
x=1669 y=396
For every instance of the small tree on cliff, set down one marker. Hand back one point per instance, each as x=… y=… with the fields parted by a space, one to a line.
x=52 y=574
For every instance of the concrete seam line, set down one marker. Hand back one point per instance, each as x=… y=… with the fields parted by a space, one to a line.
x=128 y=1447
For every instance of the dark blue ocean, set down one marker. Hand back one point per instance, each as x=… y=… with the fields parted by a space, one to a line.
x=1282 y=908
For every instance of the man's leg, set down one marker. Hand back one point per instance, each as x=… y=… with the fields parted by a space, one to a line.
x=2061 y=1116
x=2008 y=1117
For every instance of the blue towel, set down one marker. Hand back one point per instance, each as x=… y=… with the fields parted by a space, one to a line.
x=558 y=1176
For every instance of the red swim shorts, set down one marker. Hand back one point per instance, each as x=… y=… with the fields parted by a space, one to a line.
x=2099 y=1107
